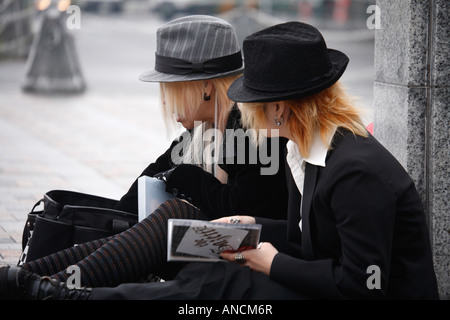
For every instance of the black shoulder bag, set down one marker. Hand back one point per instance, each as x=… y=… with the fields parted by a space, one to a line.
x=70 y=218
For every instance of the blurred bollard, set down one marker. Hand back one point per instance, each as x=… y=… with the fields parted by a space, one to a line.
x=52 y=65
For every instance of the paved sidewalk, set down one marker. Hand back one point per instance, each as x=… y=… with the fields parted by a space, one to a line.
x=97 y=142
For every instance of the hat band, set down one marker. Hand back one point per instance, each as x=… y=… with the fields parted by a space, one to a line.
x=216 y=65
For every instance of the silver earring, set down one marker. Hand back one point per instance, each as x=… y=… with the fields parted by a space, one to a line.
x=280 y=122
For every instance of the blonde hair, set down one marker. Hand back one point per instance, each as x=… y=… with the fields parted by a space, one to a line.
x=322 y=111
x=186 y=97
x=181 y=97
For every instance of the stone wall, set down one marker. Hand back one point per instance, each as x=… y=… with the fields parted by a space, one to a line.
x=411 y=108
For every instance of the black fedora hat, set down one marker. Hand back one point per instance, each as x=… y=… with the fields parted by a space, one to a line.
x=286 y=61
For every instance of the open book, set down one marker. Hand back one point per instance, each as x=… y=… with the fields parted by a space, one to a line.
x=197 y=240
x=151 y=194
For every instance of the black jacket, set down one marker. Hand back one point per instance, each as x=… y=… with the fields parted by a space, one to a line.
x=246 y=192
x=364 y=211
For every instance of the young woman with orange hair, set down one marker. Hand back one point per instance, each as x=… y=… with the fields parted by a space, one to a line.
x=356 y=226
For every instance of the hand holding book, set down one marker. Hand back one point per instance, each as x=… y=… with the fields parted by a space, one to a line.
x=220 y=240
x=196 y=240
x=231 y=219
x=259 y=259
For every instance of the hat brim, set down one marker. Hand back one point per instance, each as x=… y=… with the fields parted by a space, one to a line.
x=238 y=92
x=156 y=76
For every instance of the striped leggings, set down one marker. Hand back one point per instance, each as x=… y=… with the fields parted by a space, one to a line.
x=130 y=256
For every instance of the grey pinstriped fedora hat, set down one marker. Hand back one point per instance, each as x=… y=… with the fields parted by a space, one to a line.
x=196 y=47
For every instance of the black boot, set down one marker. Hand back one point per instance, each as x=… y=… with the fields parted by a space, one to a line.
x=19 y=284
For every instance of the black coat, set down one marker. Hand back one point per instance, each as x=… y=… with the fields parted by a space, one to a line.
x=246 y=192
x=364 y=211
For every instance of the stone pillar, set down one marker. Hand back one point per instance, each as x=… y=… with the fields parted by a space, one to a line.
x=411 y=108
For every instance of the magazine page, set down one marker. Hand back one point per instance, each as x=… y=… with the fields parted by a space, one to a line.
x=197 y=240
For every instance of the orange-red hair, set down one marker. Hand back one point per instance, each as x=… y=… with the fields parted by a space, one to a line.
x=322 y=111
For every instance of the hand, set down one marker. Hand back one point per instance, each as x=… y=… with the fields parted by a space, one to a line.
x=257 y=259
x=165 y=175
x=241 y=219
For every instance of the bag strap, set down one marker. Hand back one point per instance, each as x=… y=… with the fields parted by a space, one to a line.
x=29 y=224
x=37 y=203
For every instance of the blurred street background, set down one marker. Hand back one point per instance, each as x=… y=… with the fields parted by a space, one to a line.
x=81 y=120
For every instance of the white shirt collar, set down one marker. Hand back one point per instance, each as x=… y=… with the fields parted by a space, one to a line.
x=317 y=155
x=317 y=152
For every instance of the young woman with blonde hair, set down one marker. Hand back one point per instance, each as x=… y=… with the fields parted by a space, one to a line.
x=197 y=166
x=197 y=58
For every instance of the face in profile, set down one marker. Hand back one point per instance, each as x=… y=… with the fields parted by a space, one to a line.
x=205 y=112
x=185 y=101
